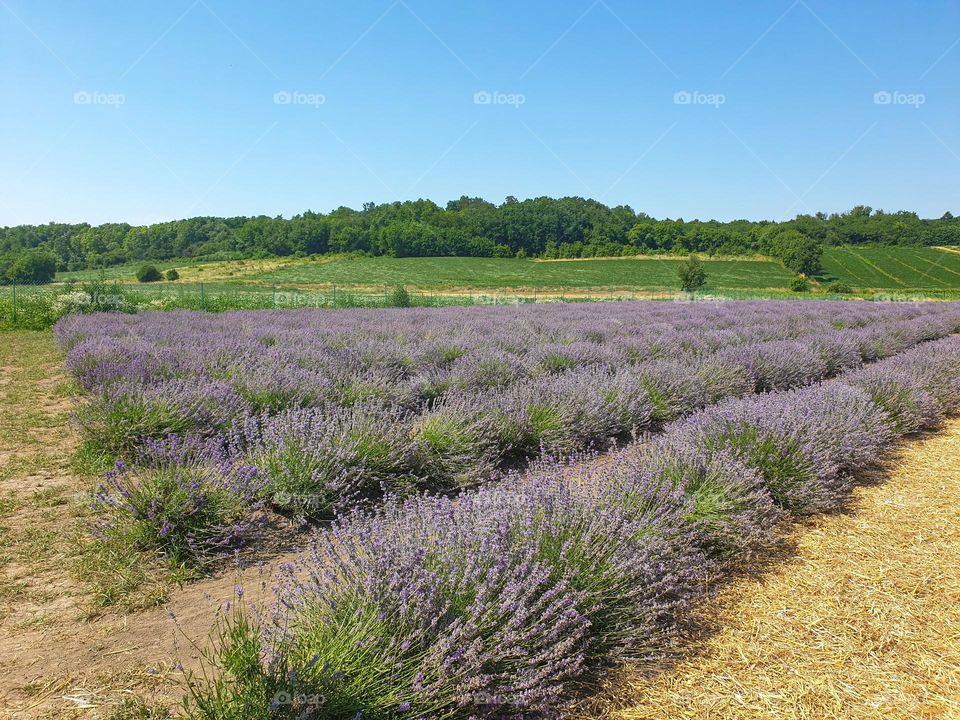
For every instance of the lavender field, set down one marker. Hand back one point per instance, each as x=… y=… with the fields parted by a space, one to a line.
x=505 y=501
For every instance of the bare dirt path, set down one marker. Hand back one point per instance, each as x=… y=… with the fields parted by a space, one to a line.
x=863 y=621
x=60 y=655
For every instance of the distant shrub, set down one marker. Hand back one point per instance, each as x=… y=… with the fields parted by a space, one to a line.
x=797 y=252
x=35 y=267
x=692 y=274
x=800 y=284
x=172 y=274
x=839 y=288
x=400 y=297
x=148 y=273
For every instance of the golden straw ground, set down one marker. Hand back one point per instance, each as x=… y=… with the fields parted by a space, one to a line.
x=863 y=621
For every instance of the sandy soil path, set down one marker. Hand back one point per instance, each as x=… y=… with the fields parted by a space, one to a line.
x=60 y=655
x=862 y=620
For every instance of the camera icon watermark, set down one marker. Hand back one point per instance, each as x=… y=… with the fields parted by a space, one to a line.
x=486 y=97
x=295 y=97
x=300 y=502
x=492 y=700
x=95 y=97
x=695 y=97
x=300 y=701
x=895 y=97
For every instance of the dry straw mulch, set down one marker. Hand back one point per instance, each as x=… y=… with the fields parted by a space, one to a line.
x=862 y=620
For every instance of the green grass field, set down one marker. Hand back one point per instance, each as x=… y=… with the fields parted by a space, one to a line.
x=884 y=269
x=893 y=268
x=500 y=273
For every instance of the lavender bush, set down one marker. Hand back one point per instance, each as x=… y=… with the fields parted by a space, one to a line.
x=805 y=443
x=315 y=461
x=124 y=416
x=335 y=409
x=187 y=503
x=496 y=603
x=556 y=378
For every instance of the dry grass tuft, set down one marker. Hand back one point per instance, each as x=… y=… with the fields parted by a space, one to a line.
x=863 y=621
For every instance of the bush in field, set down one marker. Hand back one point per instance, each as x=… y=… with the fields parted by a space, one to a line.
x=236 y=683
x=34 y=267
x=839 y=288
x=172 y=274
x=804 y=442
x=800 y=283
x=455 y=444
x=400 y=297
x=486 y=605
x=798 y=252
x=148 y=273
x=692 y=274
x=731 y=504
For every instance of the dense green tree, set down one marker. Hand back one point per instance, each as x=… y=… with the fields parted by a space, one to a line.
x=148 y=273
x=692 y=274
x=469 y=226
x=33 y=267
x=797 y=252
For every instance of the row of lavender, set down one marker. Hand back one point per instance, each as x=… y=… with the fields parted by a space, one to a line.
x=330 y=408
x=276 y=360
x=497 y=603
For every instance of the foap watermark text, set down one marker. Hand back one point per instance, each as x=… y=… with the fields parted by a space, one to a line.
x=486 y=97
x=295 y=97
x=896 y=97
x=696 y=97
x=96 y=97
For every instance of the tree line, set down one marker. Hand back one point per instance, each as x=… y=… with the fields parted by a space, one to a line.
x=545 y=227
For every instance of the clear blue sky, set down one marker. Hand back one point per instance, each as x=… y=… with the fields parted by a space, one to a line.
x=148 y=111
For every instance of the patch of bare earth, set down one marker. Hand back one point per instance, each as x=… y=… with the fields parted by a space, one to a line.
x=861 y=621
x=61 y=656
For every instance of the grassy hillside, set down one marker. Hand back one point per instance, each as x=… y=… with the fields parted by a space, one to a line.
x=449 y=272
x=893 y=268
x=904 y=269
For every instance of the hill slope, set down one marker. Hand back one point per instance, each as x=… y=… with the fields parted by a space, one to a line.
x=893 y=268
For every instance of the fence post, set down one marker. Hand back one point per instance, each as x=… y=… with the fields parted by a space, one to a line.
x=203 y=299
x=385 y=301
x=274 y=290
x=13 y=285
x=334 y=295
